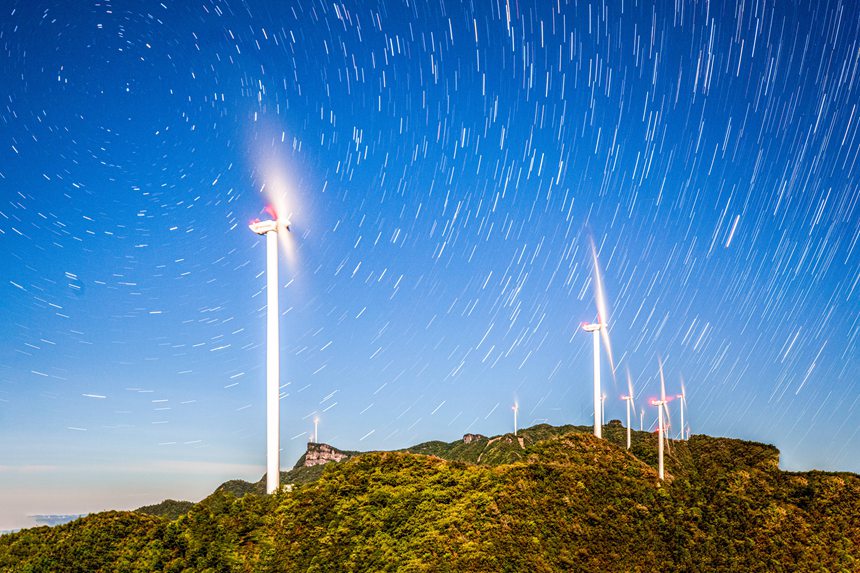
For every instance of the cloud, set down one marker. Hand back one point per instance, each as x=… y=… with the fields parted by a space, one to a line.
x=198 y=467
x=155 y=466
x=28 y=469
x=55 y=519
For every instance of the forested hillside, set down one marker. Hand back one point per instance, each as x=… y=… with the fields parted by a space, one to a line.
x=560 y=500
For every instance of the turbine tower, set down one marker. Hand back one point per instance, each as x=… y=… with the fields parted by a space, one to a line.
x=683 y=398
x=516 y=409
x=594 y=329
x=316 y=427
x=660 y=404
x=629 y=400
x=603 y=408
x=273 y=421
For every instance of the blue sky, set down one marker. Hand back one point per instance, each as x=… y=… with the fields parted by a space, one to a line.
x=449 y=165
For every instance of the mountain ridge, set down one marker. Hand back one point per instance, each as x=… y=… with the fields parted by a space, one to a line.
x=561 y=500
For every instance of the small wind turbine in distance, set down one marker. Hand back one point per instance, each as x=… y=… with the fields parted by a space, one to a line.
x=642 y=420
x=316 y=428
x=516 y=408
x=273 y=422
x=629 y=400
x=659 y=404
x=603 y=408
x=661 y=431
x=683 y=398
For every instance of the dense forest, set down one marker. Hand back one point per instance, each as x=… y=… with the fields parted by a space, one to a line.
x=549 y=499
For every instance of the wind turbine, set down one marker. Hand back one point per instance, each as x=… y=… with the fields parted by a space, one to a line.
x=629 y=400
x=683 y=398
x=597 y=329
x=642 y=420
x=661 y=404
x=270 y=229
x=316 y=427
x=516 y=409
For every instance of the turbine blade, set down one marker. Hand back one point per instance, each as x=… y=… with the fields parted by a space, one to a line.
x=662 y=381
x=283 y=199
x=602 y=312
x=666 y=428
x=630 y=390
x=604 y=334
x=664 y=405
x=289 y=246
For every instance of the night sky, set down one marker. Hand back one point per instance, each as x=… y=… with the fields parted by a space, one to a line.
x=448 y=165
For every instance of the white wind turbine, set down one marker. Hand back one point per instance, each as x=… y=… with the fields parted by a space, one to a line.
x=271 y=229
x=316 y=427
x=603 y=407
x=516 y=408
x=597 y=329
x=661 y=404
x=629 y=400
x=683 y=398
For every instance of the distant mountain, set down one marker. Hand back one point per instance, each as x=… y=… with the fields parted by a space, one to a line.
x=49 y=520
x=169 y=508
x=55 y=519
x=548 y=499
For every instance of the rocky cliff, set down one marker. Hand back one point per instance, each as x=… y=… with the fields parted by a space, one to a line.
x=319 y=454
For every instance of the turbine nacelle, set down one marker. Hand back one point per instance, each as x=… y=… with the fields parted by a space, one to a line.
x=592 y=327
x=263 y=227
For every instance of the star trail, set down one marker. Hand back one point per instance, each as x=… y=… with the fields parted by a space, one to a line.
x=450 y=164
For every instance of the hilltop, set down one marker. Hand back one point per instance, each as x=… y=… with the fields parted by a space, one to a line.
x=549 y=499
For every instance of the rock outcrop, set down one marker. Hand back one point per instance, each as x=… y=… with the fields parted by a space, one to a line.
x=319 y=454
